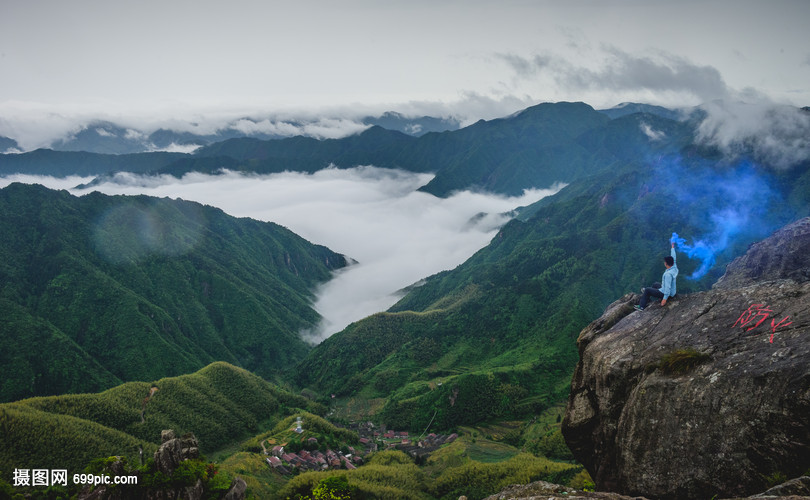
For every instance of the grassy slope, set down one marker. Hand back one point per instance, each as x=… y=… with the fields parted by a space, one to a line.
x=220 y=404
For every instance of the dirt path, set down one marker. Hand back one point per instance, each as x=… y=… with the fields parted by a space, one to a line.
x=152 y=392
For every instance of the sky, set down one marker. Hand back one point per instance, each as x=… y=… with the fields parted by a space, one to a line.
x=153 y=63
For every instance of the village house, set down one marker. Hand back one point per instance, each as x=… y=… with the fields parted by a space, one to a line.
x=347 y=463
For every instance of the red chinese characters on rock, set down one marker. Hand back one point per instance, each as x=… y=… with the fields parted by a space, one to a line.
x=755 y=315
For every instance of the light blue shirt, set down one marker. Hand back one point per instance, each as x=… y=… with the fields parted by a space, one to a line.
x=668 y=279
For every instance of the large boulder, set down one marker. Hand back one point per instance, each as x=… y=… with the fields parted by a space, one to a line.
x=708 y=395
x=174 y=450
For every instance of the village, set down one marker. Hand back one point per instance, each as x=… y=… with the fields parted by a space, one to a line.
x=372 y=439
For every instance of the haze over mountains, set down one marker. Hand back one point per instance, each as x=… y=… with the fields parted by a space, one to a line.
x=108 y=137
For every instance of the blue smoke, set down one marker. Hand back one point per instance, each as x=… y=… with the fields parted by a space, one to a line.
x=733 y=204
x=700 y=250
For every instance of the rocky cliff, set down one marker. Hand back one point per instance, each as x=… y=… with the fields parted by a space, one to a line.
x=161 y=483
x=709 y=395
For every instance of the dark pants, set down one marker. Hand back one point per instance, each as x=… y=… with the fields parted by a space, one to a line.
x=647 y=293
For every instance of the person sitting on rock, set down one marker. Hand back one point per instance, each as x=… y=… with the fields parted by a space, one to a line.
x=667 y=288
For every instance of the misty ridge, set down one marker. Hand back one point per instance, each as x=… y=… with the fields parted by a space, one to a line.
x=731 y=122
x=393 y=234
x=398 y=228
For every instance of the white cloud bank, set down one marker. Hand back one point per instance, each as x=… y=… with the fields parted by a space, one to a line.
x=376 y=216
x=775 y=134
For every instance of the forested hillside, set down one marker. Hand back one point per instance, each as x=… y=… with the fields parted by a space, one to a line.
x=220 y=404
x=97 y=290
x=495 y=337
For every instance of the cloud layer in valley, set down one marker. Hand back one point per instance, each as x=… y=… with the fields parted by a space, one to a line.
x=375 y=216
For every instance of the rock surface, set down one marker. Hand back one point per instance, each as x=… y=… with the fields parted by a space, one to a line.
x=795 y=489
x=727 y=417
x=542 y=490
x=174 y=450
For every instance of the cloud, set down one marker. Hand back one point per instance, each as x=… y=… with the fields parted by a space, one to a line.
x=34 y=126
x=176 y=148
x=322 y=128
x=777 y=135
x=651 y=133
x=375 y=216
x=656 y=76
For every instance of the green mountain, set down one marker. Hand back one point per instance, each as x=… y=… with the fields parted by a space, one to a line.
x=541 y=145
x=495 y=337
x=221 y=404
x=98 y=290
x=537 y=147
x=67 y=163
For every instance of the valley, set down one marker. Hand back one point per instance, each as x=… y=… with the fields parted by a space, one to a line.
x=126 y=314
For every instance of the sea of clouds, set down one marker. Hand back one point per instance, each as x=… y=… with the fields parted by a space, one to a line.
x=376 y=217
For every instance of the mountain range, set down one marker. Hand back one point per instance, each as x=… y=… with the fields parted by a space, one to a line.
x=98 y=290
x=120 y=289
x=544 y=144
x=495 y=337
x=106 y=137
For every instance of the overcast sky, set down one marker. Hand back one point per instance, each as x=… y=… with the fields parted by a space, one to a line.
x=481 y=59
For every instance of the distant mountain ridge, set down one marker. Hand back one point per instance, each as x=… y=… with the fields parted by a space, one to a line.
x=107 y=137
x=8 y=145
x=628 y=108
x=540 y=146
x=99 y=290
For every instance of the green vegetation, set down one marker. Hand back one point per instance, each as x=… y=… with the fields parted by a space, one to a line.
x=36 y=439
x=775 y=479
x=495 y=338
x=478 y=463
x=220 y=404
x=542 y=435
x=681 y=361
x=262 y=481
x=393 y=475
x=99 y=290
